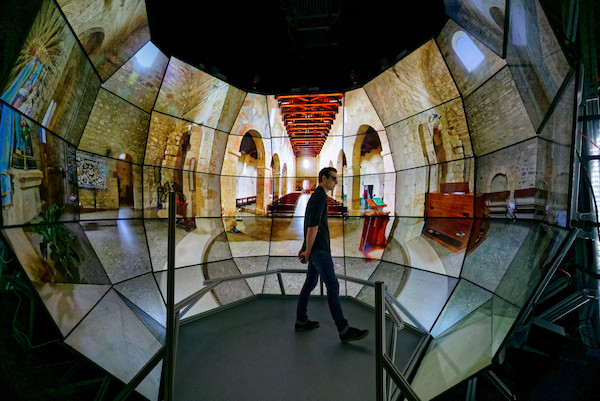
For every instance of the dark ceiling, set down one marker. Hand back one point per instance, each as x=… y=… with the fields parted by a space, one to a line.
x=286 y=44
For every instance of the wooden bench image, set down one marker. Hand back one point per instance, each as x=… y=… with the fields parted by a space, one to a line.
x=245 y=201
x=286 y=204
x=335 y=208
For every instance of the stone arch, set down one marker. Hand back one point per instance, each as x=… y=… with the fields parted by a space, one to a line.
x=511 y=182
x=92 y=40
x=499 y=183
x=365 y=132
x=125 y=180
x=467 y=51
x=342 y=168
x=498 y=16
x=284 y=174
x=258 y=142
x=276 y=171
x=228 y=196
x=178 y=143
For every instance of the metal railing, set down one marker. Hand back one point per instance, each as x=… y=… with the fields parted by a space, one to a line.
x=175 y=312
x=384 y=363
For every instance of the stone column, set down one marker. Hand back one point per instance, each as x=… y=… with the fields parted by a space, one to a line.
x=26 y=197
x=262 y=190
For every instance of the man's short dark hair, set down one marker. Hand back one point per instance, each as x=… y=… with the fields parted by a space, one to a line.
x=326 y=172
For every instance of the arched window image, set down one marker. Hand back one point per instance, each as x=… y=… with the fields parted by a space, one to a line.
x=243 y=186
x=518 y=24
x=284 y=180
x=368 y=162
x=125 y=180
x=499 y=183
x=342 y=168
x=245 y=190
x=276 y=191
x=146 y=55
x=466 y=50
x=498 y=16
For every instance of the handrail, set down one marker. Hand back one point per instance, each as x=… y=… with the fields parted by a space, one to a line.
x=407 y=313
x=393 y=313
x=212 y=283
x=382 y=361
x=268 y=272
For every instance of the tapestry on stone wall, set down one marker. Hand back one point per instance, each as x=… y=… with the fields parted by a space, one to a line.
x=92 y=172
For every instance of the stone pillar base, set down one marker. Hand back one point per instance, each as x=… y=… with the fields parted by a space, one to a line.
x=26 y=197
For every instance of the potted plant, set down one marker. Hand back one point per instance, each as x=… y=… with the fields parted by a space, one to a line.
x=57 y=244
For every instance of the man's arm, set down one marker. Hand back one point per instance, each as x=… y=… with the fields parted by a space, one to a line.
x=311 y=234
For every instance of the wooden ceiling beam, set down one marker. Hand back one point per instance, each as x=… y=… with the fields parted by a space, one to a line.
x=304 y=118
x=308 y=119
x=305 y=105
x=311 y=96
x=303 y=112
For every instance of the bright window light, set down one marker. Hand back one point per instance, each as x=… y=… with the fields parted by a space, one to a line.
x=122 y=156
x=518 y=25
x=305 y=163
x=468 y=53
x=146 y=55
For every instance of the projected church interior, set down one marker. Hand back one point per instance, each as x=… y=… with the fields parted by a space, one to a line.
x=453 y=165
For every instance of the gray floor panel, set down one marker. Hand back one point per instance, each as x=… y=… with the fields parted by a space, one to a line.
x=251 y=352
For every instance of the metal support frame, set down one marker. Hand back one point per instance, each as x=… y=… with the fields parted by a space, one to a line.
x=584 y=208
x=546 y=280
x=384 y=364
x=172 y=316
x=168 y=351
x=141 y=375
x=499 y=384
x=280 y=280
x=566 y=305
x=554 y=288
x=408 y=314
x=379 y=339
x=471 y=389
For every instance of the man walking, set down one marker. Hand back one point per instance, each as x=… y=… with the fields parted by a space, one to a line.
x=316 y=252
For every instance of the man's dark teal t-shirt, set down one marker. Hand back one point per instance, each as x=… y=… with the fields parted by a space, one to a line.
x=316 y=215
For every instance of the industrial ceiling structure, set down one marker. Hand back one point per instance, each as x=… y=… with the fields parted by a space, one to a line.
x=285 y=46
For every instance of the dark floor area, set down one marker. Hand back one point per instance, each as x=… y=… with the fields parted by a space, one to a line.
x=34 y=363
x=251 y=352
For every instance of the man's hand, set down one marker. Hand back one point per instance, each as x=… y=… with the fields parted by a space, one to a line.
x=303 y=256
x=311 y=234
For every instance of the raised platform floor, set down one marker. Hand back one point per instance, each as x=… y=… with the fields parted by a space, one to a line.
x=251 y=352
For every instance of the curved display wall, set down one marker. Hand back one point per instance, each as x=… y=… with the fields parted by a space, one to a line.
x=465 y=143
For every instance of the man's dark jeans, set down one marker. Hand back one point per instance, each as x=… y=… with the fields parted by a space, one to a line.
x=321 y=264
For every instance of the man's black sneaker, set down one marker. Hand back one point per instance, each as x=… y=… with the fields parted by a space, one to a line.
x=353 y=334
x=309 y=325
